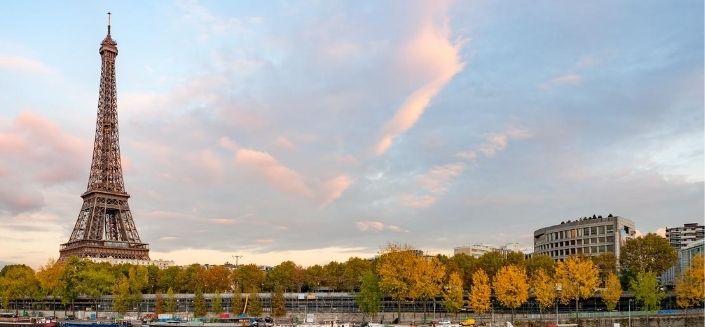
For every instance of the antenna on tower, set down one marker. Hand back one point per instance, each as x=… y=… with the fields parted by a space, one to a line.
x=237 y=258
x=109 y=22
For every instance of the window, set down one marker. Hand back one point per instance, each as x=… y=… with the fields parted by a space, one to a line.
x=610 y=229
x=593 y=230
x=560 y=235
x=602 y=239
x=593 y=249
x=586 y=231
x=580 y=242
x=610 y=239
x=580 y=232
x=572 y=233
x=601 y=230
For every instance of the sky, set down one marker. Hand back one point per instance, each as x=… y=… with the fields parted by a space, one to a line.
x=315 y=131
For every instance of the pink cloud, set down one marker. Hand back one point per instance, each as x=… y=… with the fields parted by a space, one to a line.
x=334 y=188
x=417 y=201
x=281 y=177
x=433 y=56
x=283 y=143
x=495 y=142
x=439 y=177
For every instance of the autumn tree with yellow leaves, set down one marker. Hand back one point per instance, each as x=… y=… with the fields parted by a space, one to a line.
x=544 y=289
x=511 y=287
x=690 y=287
x=396 y=270
x=578 y=278
x=480 y=293
x=612 y=292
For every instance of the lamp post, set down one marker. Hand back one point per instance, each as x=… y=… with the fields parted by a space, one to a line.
x=559 y=287
x=630 y=312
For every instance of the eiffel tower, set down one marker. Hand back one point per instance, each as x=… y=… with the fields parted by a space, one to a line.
x=105 y=227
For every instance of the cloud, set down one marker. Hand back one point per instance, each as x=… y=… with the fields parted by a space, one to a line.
x=431 y=49
x=417 y=201
x=437 y=179
x=376 y=226
x=568 y=79
x=334 y=188
x=24 y=65
x=495 y=142
x=281 y=177
x=661 y=232
x=283 y=143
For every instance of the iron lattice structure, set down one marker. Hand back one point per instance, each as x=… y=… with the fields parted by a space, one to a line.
x=105 y=227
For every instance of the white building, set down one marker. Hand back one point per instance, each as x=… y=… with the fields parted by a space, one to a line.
x=161 y=264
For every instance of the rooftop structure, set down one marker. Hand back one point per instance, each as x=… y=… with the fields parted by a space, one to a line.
x=680 y=237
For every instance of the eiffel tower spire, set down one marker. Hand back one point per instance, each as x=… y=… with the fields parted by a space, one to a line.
x=105 y=227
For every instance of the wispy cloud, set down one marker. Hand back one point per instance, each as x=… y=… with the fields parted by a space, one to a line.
x=24 y=65
x=376 y=226
x=276 y=174
x=431 y=49
x=568 y=79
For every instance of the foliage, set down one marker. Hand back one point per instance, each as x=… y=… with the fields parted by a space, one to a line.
x=69 y=279
x=17 y=282
x=690 y=287
x=453 y=293
x=646 y=290
x=237 y=303
x=427 y=278
x=540 y=262
x=578 y=278
x=396 y=272
x=370 y=296
x=138 y=281
x=199 y=304
x=480 y=293
x=491 y=262
x=254 y=305
x=170 y=301
x=121 y=295
x=246 y=277
x=95 y=283
x=612 y=291
x=650 y=253
x=510 y=286
x=606 y=263
x=217 y=303
x=544 y=289
x=216 y=278
x=287 y=275
x=49 y=277
x=278 y=303
x=158 y=303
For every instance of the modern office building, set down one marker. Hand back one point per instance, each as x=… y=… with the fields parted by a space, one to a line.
x=587 y=236
x=475 y=250
x=679 y=237
x=685 y=255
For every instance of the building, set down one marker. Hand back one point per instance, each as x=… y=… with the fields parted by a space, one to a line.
x=161 y=264
x=679 y=237
x=685 y=256
x=104 y=227
x=475 y=250
x=587 y=236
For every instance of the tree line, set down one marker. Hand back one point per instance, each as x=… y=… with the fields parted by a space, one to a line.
x=399 y=272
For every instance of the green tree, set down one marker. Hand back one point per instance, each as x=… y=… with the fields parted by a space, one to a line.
x=278 y=303
x=254 y=305
x=612 y=291
x=480 y=293
x=95 y=282
x=121 y=295
x=646 y=290
x=540 y=262
x=354 y=269
x=246 y=277
x=491 y=262
x=606 y=263
x=690 y=286
x=199 y=304
x=578 y=278
x=17 y=282
x=370 y=296
x=217 y=304
x=138 y=280
x=650 y=253
x=49 y=277
x=159 y=303
x=453 y=294
x=237 y=306
x=70 y=280
x=170 y=301
x=286 y=274
x=511 y=287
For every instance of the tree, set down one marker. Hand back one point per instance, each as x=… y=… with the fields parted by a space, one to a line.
x=286 y=274
x=453 y=294
x=217 y=304
x=49 y=277
x=17 y=282
x=612 y=291
x=237 y=306
x=646 y=290
x=650 y=253
x=370 y=296
x=138 y=280
x=510 y=287
x=491 y=262
x=606 y=263
x=159 y=303
x=540 y=261
x=254 y=306
x=578 y=278
x=199 y=304
x=247 y=277
x=278 y=303
x=216 y=278
x=121 y=295
x=396 y=273
x=544 y=289
x=690 y=287
x=70 y=280
x=427 y=279
x=352 y=273
x=170 y=301
x=95 y=282
x=480 y=293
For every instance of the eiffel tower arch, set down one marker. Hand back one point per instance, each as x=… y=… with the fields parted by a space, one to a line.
x=105 y=227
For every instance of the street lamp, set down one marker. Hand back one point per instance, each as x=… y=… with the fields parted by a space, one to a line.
x=630 y=312
x=559 y=287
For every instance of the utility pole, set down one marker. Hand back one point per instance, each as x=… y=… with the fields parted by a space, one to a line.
x=237 y=259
